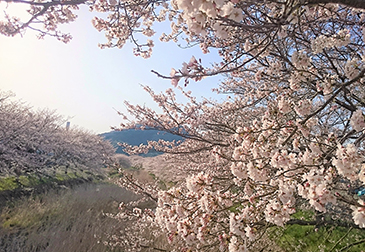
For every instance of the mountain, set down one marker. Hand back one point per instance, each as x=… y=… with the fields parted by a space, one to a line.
x=137 y=137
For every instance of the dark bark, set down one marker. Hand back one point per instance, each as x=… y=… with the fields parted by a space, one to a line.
x=350 y=3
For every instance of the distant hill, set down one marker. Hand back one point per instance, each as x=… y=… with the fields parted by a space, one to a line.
x=137 y=137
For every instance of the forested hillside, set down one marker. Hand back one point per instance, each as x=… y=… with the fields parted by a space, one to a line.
x=136 y=137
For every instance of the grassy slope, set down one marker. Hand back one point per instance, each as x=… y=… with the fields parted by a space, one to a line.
x=68 y=220
x=73 y=220
x=311 y=239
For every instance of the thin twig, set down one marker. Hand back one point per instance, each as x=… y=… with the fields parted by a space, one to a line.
x=339 y=240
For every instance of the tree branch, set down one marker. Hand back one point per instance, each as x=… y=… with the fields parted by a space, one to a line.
x=350 y=3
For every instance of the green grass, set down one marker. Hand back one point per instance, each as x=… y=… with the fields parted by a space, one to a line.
x=33 y=180
x=306 y=215
x=8 y=183
x=12 y=182
x=63 y=177
x=311 y=239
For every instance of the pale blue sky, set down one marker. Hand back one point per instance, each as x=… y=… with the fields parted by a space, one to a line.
x=81 y=81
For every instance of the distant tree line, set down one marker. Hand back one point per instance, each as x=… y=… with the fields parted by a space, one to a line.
x=35 y=141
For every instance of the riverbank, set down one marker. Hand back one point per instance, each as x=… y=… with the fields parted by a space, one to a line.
x=21 y=192
x=63 y=220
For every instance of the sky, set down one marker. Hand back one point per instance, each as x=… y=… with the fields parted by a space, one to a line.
x=84 y=83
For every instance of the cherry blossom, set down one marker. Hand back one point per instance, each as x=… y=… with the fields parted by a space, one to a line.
x=33 y=141
x=357 y=120
x=287 y=133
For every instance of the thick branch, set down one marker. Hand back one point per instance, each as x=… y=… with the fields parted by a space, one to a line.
x=351 y=3
x=48 y=4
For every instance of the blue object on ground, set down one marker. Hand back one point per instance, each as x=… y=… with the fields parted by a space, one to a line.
x=361 y=192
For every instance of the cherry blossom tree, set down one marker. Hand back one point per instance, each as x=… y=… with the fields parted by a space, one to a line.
x=36 y=141
x=290 y=134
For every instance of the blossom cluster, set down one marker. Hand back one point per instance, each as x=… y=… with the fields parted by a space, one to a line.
x=357 y=120
x=342 y=38
x=348 y=161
